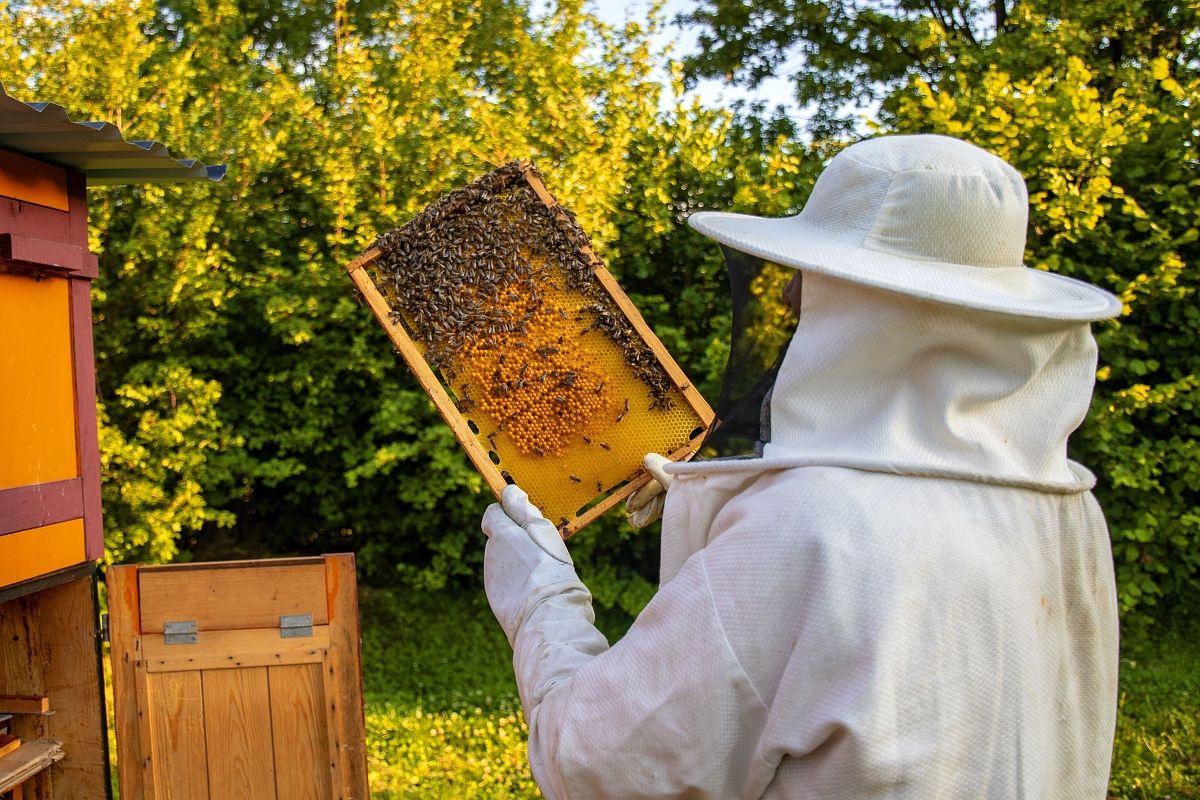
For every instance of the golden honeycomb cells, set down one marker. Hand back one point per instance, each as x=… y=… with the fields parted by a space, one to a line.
x=499 y=294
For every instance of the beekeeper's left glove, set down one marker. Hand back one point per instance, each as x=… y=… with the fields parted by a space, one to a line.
x=525 y=562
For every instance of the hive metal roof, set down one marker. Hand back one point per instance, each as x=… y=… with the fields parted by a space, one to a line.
x=97 y=149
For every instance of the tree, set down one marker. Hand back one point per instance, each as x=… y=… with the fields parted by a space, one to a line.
x=1097 y=109
x=249 y=405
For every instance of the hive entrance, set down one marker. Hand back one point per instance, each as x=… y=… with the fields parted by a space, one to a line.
x=545 y=371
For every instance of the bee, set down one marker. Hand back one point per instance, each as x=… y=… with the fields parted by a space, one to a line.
x=605 y=446
x=599 y=486
x=491 y=437
x=575 y=478
x=600 y=387
x=587 y=439
x=537 y=451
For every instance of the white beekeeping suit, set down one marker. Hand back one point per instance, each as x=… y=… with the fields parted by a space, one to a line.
x=910 y=593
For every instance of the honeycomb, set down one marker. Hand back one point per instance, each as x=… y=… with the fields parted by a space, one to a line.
x=498 y=292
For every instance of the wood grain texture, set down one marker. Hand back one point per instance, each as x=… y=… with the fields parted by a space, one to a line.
x=227 y=649
x=232 y=598
x=177 y=729
x=237 y=721
x=343 y=682
x=299 y=732
x=69 y=621
x=124 y=634
x=30 y=759
x=425 y=376
x=23 y=704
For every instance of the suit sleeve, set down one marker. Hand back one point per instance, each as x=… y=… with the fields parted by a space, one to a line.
x=666 y=712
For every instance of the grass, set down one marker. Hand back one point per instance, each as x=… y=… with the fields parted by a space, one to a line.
x=1156 y=753
x=444 y=721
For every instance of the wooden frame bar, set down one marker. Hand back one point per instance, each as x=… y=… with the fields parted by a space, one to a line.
x=449 y=411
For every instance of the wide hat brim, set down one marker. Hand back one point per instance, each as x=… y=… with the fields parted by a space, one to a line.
x=1017 y=290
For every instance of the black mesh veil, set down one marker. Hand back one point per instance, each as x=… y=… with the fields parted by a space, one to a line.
x=762 y=329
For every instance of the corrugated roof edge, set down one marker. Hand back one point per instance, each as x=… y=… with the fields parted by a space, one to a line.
x=97 y=149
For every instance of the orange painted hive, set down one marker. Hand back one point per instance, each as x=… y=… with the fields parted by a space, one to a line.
x=561 y=385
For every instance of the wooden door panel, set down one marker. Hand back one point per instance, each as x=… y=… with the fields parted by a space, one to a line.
x=232 y=595
x=176 y=721
x=237 y=719
x=240 y=713
x=299 y=732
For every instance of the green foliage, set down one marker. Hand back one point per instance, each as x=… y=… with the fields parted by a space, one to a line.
x=250 y=406
x=1156 y=753
x=1110 y=154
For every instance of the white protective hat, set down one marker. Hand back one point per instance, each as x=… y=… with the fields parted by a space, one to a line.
x=927 y=216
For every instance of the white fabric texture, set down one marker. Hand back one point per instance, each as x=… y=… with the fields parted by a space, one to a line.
x=936 y=619
x=929 y=216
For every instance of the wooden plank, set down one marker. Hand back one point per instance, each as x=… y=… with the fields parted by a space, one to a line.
x=176 y=703
x=37 y=404
x=231 y=598
x=39 y=504
x=87 y=432
x=32 y=181
x=343 y=682
x=424 y=374
x=20 y=660
x=145 y=733
x=25 y=555
x=70 y=639
x=298 y=731
x=237 y=721
x=8 y=743
x=231 y=649
x=124 y=633
x=30 y=759
x=24 y=704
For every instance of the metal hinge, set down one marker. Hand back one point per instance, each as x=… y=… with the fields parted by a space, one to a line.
x=295 y=626
x=180 y=632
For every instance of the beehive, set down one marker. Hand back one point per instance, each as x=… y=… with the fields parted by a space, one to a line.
x=547 y=374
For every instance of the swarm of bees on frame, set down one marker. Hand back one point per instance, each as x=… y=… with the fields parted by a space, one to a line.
x=498 y=290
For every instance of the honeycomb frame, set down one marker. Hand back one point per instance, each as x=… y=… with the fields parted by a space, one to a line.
x=614 y=449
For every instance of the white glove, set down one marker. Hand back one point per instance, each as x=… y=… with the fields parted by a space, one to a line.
x=646 y=504
x=525 y=562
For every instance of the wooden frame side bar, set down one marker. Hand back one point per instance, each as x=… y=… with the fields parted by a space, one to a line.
x=424 y=374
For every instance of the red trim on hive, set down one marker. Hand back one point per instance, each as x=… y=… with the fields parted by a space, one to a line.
x=85 y=416
x=26 y=507
x=28 y=254
x=77 y=200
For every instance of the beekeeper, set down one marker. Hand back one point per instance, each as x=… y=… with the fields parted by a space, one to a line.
x=909 y=593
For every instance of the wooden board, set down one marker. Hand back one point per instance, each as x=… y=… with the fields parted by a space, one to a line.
x=8 y=743
x=23 y=704
x=50 y=651
x=27 y=761
x=176 y=709
x=300 y=742
x=232 y=598
x=242 y=712
x=237 y=721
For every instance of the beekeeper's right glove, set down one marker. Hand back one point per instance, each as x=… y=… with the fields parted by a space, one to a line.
x=646 y=504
